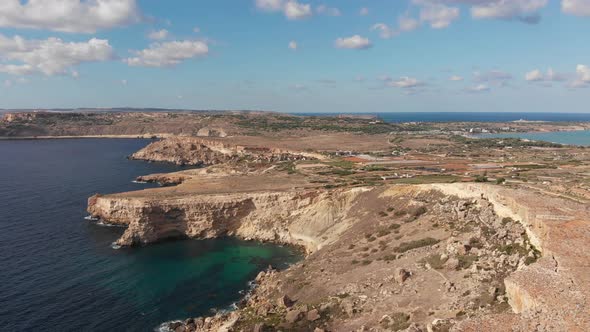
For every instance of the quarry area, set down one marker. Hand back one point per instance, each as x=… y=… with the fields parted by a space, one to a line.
x=405 y=227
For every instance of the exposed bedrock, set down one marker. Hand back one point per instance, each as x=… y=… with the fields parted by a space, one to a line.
x=307 y=218
x=548 y=295
x=552 y=294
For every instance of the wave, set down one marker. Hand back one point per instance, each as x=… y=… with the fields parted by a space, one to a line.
x=115 y=246
x=91 y=218
x=140 y=182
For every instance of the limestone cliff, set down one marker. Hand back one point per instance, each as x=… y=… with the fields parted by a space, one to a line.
x=203 y=152
x=308 y=218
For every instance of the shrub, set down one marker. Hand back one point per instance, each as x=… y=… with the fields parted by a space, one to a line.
x=407 y=246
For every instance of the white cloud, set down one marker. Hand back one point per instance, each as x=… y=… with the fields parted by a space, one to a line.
x=438 y=16
x=196 y=29
x=270 y=5
x=385 y=31
x=364 y=11
x=534 y=76
x=405 y=24
x=292 y=9
x=478 y=88
x=408 y=24
x=159 y=34
x=124 y=82
x=576 y=7
x=582 y=77
x=168 y=54
x=49 y=56
x=353 y=42
x=455 y=78
x=330 y=11
x=406 y=82
x=293 y=45
x=523 y=10
x=297 y=11
x=75 y=16
x=583 y=72
x=538 y=76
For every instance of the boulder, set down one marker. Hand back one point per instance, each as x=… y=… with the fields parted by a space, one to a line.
x=313 y=315
x=293 y=316
x=401 y=275
x=285 y=302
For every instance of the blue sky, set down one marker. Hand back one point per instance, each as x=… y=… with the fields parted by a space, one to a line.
x=297 y=55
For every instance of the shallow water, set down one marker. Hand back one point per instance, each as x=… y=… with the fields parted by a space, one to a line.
x=58 y=271
x=580 y=137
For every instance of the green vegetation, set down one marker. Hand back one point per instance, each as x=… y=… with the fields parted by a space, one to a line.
x=425 y=179
x=501 y=142
x=434 y=261
x=481 y=178
x=465 y=261
x=407 y=246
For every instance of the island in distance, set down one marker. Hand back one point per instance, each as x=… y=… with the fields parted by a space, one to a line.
x=405 y=226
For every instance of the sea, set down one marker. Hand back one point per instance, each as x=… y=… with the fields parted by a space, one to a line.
x=58 y=271
x=578 y=137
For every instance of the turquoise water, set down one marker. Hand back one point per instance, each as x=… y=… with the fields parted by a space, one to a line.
x=58 y=271
x=581 y=137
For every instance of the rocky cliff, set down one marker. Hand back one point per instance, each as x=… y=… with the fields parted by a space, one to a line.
x=203 y=152
x=421 y=258
x=307 y=218
x=552 y=294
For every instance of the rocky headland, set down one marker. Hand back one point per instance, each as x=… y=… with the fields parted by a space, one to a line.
x=406 y=227
x=461 y=257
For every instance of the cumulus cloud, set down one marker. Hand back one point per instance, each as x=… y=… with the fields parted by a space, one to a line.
x=74 y=16
x=292 y=9
x=405 y=24
x=168 y=54
x=576 y=7
x=478 y=88
x=353 y=42
x=439 y=16
x=455 y=78
x=537 y=75
x=582 y=77
x=524 y=10
x=159 y=34
x=293 y=45
x=364 y=11
x=385 y=31
x=330 y=11
x=405 y=82
x=51 y=56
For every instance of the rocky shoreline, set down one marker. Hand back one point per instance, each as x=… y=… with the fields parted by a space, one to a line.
x=491 y=239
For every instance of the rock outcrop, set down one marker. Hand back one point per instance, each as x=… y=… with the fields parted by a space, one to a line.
x=204 y=152
x=306 y=218
x=435 y=257
x=554 y=293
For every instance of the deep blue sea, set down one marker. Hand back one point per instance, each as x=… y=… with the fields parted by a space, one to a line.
x=58 y=271
x=471 y=116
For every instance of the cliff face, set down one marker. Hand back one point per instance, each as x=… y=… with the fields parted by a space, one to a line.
x=551 y=294
x=378 y=254
x=305 y=218
x=200 y=151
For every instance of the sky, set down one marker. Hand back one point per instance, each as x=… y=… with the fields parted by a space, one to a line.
x=297 y=55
